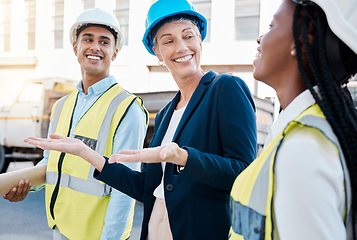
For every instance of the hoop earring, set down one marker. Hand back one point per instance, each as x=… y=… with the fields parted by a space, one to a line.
x=161 y=63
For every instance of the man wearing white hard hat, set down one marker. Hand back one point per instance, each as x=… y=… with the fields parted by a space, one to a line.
x=105 y=117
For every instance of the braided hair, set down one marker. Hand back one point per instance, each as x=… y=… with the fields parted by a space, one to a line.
x=333 y=96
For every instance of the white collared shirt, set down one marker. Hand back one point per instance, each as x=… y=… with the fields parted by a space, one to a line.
x=170 y=132
x=309 y=199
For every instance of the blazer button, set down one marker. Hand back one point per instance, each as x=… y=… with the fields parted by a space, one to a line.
x=169 y=187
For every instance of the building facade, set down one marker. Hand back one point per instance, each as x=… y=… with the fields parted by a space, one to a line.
x=34 y=42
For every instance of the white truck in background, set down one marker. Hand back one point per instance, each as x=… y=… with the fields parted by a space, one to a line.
x=29 y=115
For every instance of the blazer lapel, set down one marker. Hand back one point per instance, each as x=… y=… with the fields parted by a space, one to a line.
x=194 y=102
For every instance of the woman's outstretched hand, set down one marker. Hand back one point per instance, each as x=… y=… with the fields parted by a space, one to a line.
x=170 y=152
x=58 y=143
x=68 y=145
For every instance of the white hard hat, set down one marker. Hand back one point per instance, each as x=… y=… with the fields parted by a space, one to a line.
x=342 y=18
x=97 y=16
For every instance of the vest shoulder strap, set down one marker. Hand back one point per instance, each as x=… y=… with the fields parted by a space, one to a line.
x=314 y=118
x=57 y=108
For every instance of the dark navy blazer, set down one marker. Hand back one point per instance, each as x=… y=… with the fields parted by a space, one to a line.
x=218 y=128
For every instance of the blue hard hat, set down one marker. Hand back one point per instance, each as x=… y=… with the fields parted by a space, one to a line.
x=163 y=9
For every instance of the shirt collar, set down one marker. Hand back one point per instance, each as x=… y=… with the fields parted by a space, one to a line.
x=297 y=106
x=99 y=87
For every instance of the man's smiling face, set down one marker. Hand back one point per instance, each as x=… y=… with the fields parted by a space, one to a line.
x=95 y=49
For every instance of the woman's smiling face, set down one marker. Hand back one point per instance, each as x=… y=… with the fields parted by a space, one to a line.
x=178 y=44
x=274 y=58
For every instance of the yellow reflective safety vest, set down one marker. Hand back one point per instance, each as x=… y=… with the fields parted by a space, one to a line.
x=252 y=194
x=76 y=202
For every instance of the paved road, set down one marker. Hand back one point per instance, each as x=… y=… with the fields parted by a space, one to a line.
x=26 y=220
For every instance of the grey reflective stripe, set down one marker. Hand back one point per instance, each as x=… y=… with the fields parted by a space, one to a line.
x=249 y=221
x=57 y=112
x=94 y=188
x=326 y=129
x=105 y=127
x=259 y=193
x=322 y=125
x=104 y=131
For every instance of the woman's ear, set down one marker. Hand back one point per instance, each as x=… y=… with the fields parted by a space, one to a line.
x=201 y=43
x=157 y=54
x=293 y=50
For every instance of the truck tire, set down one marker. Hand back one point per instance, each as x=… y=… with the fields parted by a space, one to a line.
x=3 y=162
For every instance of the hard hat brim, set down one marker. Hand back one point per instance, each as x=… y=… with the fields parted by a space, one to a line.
x=74 y=28
x=202 y=27
x=99 y=17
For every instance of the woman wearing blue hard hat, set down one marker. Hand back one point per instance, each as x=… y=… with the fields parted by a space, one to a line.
x=203 y=138
x=303 y=185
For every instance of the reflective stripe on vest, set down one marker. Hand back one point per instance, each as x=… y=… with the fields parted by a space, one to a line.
x=253 y=191
x=74 y=176
x=78 y=184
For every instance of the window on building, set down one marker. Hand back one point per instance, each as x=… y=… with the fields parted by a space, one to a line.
x=204 y=8
x=58 y=23
x=247 y=19
x=5 y=24
x=88 y=4
x=31 y=24
x=121 y=12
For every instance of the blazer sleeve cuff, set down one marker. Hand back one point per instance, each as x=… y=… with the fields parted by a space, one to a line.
x=101 y=175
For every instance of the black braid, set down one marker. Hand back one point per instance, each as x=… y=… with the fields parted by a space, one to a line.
x=334 y=100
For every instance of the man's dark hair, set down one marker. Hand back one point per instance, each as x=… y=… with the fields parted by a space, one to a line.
x=82 y=27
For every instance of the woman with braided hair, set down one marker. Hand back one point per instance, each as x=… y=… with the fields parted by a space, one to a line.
x=304 y=184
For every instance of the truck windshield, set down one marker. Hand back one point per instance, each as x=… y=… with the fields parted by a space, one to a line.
x=31 y=93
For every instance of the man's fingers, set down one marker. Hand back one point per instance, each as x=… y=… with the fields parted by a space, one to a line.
x=10 y=194
x=18 y=193
x=26 y=188
x=20 y=187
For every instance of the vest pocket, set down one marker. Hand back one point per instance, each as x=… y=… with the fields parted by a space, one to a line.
x=92 y=143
